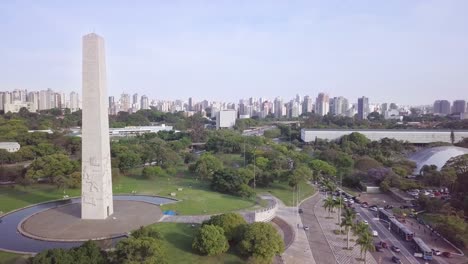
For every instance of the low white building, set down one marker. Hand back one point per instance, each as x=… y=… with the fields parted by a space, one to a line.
x=393 y=114
x=226 y=118
x=15 y=107
x=415 y=136
x=10 y=146
x=137 y=130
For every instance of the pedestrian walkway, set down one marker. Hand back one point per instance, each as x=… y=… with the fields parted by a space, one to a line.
x=338 y=243
x=299 y=251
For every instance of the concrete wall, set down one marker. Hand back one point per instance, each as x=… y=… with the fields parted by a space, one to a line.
x=412 y=136
x=266 y=214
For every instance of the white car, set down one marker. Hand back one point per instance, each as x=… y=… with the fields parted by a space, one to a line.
x=375 y=233
x=365 y=222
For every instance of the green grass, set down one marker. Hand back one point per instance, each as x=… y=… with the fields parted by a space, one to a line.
x=178 y=240
x=283 y=192
x=196 y=196
x=10 y=258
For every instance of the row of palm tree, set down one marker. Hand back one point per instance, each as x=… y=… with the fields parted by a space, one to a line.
x=348 y=222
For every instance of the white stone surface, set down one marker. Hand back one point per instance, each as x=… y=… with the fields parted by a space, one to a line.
x=419 y=136
x=96 y=189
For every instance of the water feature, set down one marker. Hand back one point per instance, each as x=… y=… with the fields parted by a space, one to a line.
x=11 y=239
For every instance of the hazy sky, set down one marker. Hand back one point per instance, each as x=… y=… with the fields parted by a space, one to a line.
x=405 y=51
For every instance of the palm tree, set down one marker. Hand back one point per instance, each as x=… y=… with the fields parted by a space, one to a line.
x=339 y=202
x=348 y=221
x=366 y=242
x=329 y=204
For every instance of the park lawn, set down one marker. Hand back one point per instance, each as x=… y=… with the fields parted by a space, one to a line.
x=17 y=196
x=195 y=197
x=283 y=191
x=11 y=258
x=178 y=239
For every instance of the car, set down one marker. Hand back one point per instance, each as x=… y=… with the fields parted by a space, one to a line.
x=365 y=222
x=383 y=244
x=378 y=248
x=306 y=228
x=395 y=249
x=363 y=205
x=373 y=209
x=436 y=252
x=301 y=211
x=375 y=233
x=396 y=259
x=447 y=254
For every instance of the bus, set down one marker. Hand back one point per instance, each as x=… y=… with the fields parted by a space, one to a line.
x=399 y=228
x=422 y=248
x=385 y=215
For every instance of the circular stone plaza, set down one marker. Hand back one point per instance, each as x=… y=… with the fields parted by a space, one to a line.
x=64 y=223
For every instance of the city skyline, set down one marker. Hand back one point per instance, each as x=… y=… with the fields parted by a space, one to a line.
x=226 y=51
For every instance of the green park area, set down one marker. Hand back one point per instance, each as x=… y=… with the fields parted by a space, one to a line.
x=284 y=192
x=195 y=196
x=10 y=258
x=178 y=241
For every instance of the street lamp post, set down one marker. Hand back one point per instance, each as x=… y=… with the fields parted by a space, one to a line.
x=254 y=183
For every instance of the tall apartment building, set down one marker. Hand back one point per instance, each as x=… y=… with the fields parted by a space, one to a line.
x=459 y=107
x=278 y=107
x=363 y=107
x=339 y=105
x=74 y=101
x=322 y=104
x=144 y=102
x=442 y=107
x=124 y=102
x=307 y=105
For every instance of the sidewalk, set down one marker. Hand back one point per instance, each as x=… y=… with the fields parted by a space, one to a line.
x=338 y=242
x=299 y=252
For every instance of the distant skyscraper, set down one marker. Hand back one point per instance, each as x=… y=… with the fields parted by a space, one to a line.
x=144 y=102
x=307 y=105
x=322 y=104
x=74 y=102
x=278 y=107
x=190 y=104
x=459 y=106
x=442 y=107
x=363 y=107
x=339 y=105
x=124 y=102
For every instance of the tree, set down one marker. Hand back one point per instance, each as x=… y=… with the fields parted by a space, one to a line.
x=231 y=223
x=262 y=241
x=366 y=242
x=207 y=165
x=53 y=167
x=299 y=175
x=144 y=250
x=152 y=172
x=210 y=241
x=452 y=137
x=347 y=222
x=329 y=204
x=146 y=232
x=229 y=181
x=88 y=252
x=321 y=167
x=56 y=255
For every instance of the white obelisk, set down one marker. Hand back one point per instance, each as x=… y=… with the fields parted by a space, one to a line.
x=96 y=186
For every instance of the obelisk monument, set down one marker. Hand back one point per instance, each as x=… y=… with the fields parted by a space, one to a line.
x=96 y=186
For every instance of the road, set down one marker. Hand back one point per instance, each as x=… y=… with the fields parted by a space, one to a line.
x=386 y=235
x=317 y=241
x=406 y=254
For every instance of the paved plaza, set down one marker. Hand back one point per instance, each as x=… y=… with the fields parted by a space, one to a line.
x=64 y=223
